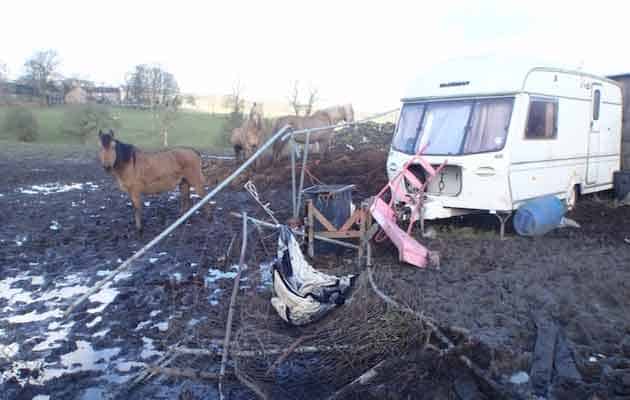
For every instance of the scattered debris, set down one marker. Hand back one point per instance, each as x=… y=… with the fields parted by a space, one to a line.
x=303 y=294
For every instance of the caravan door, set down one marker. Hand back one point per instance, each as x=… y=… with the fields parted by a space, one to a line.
x=594 y=135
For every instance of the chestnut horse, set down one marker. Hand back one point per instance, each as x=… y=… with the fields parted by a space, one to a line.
x=246 y=138
x=319 y=119
x=139 y=172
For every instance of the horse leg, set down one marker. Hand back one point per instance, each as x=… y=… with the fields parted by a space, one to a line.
x=201 y=191
x=136 y=199
x=184 y=188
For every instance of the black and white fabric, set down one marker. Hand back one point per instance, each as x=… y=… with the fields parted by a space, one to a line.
x=301 y=293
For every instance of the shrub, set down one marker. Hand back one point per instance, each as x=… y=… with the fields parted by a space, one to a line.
x=83 y=121
x=21 y=123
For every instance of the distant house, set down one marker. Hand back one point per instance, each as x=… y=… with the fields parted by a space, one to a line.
x=105 y=94
x=95 y=94
x=76 y=95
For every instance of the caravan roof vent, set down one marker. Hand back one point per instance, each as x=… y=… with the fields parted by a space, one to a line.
x=449 y=84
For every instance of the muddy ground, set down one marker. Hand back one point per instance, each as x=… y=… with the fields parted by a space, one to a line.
x=64 y=224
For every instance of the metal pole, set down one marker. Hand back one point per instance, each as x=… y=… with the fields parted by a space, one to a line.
x=293 y=194
x=179 y=221
x=322 y=238
x=305 y=158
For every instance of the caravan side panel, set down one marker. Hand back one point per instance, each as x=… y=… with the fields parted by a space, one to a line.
x=544 y=166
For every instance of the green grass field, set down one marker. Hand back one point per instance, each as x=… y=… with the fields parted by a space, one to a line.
x=202 y=131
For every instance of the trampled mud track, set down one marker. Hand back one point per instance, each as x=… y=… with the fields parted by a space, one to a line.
x=56 y=235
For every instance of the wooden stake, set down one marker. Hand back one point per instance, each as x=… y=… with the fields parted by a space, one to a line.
x=228 y=327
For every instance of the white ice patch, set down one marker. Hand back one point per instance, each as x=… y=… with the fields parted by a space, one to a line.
x=153 y=260
x=126 y=366
x=101 y=334
x=154 y=313
x=54 y=226
x=84 y=358
x=162 y=326
x=105 y=296
x=36 y=280
x=41 y=397
x=56 y=187
x=216 y=274
x=9 y=351
x=95 y=321
x=56 y=333
x=142 y=325
x=34 y=316
x=65 y=292
x=20 y=240
x=519 y=378
x=148 y=350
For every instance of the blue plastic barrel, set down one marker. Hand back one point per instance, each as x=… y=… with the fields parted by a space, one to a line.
x=539 y=216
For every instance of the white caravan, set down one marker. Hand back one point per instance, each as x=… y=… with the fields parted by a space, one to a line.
x=509 y=133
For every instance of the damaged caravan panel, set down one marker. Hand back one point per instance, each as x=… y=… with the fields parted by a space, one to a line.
x=509 y=133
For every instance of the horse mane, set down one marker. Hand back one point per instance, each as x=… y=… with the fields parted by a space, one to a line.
x=124 y=153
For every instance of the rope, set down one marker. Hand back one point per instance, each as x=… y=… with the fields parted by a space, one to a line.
x=251 y=189
x=314 y=179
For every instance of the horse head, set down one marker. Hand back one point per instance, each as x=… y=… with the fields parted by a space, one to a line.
x=348 y=113
x=107 y=153
x=256 y=115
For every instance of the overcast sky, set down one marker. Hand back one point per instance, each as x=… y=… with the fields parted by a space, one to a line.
x=364 y=52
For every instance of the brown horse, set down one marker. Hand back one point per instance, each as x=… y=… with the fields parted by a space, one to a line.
x=247 y=138
x=337 y=114
x=319 y=119
x=139 y=172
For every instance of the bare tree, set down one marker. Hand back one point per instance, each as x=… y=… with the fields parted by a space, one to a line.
x=234 y=101
x=294 y=98
x=166 y=114
x=236 y=104
x=38 y=70
x=3 y=80
x=150 y=85
x=3 y=72
x=296 y=103
x=190 y=100
x=313 y=97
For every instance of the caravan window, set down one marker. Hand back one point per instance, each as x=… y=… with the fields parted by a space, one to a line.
x=542 y=120
x=488 y=125
x=408 y=125
x=596 y=101
x=443 y=127
x=454 y=127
